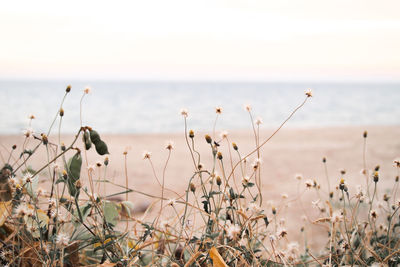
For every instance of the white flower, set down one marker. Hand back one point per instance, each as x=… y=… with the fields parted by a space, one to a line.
x=360 y=193
x=62 y=239
x=258 y=121
x=281 y=232
x=146 y=155
x=247 y=108
x=184 y=112
x=21 y=209
x=336 y=216
x=309 y=183
x=28 y=132
x=169 y=145
x=224 y=134
x=308 y=92
x=87 y=90
x=257 y=162
x=233 y=230
x=171 y=202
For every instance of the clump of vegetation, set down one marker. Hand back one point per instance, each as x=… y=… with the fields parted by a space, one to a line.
x=215 y=222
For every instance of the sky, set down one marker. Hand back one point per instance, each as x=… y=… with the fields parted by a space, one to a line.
x=302 y=40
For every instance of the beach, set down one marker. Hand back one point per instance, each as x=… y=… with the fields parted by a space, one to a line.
x=291 y=151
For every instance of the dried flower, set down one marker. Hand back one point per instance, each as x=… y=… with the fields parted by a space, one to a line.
x=224 y=134
x=146 y=155
x=169 y=145
x=337 y=216
x=309 y=92
x=247 y=108
x=235 y=147
x=218 y=110
x=184 y=112
x=258 y=121
x=68 y=89
x=373 y=214
x=233 y=231
x=62 y=240
x=87 y=90
x=191 y=134
x=208 y=139
x=309 y=183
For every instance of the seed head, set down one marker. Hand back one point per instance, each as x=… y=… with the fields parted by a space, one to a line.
x=224 y=134
x=218 y=110
x=396 y=163
x=61 y=112
x=192 y=187
x=376 y=177
x=184 y=112
x=14 y=147
x=309 y=92
x=365 y=134
x=106 y=161
x=219 y=181
x=191 y=134
x=235 y=147
x=87 y=90
x=342 y=184
x=68 y=89
x=247 y=108
x=258 y=121
x=169 y=145
x=45 y=140
x=324 y=160
x=208 y=138
x=146 y=155
x=219 y=155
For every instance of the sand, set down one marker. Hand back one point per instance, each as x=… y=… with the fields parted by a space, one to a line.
x=291 y=151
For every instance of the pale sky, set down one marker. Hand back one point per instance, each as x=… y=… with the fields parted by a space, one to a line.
x=298 y=40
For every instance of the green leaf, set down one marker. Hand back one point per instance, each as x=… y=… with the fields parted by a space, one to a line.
x=94 y=136
x=101 y=148
x=74 y=172
x=74 y=167
x=111 y=212
x=86 y=140
x=85 y=210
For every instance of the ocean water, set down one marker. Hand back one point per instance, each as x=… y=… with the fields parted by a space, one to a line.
x=143 y=107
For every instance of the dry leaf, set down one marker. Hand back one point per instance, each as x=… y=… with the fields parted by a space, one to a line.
x=4 y=211
x=216 y=258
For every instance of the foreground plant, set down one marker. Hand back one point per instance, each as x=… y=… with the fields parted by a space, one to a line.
x=219 y=220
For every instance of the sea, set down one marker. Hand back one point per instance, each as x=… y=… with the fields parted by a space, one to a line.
x=154 y=107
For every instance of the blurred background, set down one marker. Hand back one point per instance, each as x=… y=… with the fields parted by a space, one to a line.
x=144 y=60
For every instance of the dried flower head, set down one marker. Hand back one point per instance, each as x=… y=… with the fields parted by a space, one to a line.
x=224 y=134
x=309 y=92
x=191 y=134
x=146 y=155
x=298 y=176
x=87 y=90
x=396 y=163
x=62 y=240
x=258 y=121
x=218 y=110
x=233 y=231
x=309 y=183
x=184 y=112
x=373 y=214
x=247 y=108
x=169 y=145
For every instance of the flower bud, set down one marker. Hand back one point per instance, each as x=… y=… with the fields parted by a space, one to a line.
x=68 y=89
x=235 y=147
x=191 y=134
x=208 y=139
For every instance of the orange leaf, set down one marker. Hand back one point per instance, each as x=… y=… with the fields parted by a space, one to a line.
x=216 y=258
